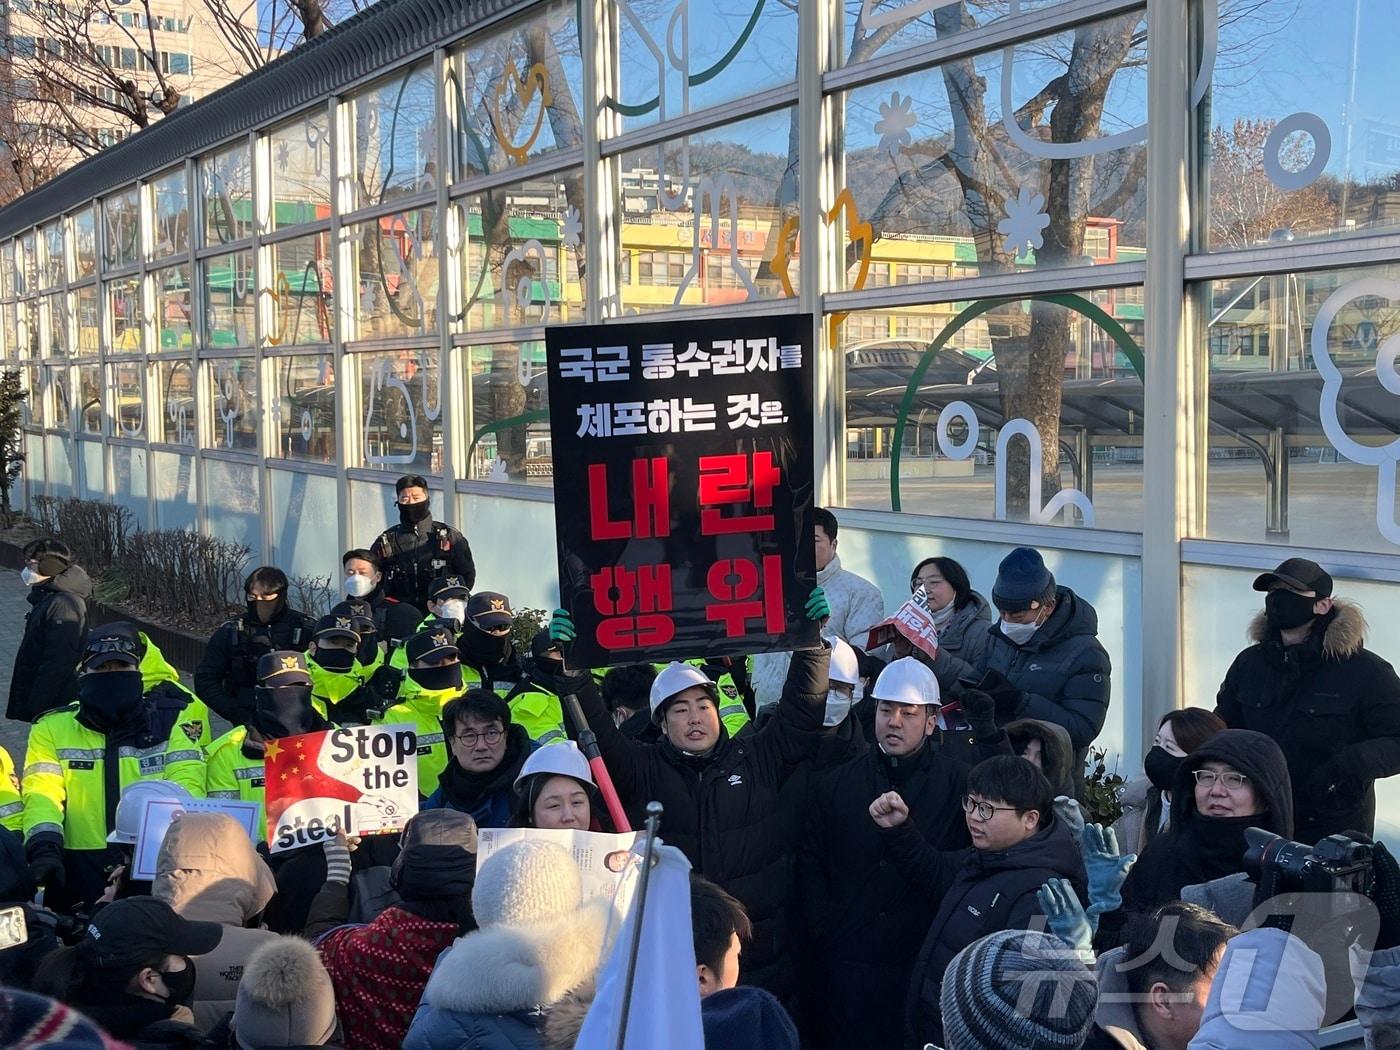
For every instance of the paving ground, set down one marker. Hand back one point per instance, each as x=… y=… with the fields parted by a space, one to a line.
x=13 y=608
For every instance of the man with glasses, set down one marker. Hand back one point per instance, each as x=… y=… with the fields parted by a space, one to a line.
x=1017 y=844
x=487 y=753
x=228 y=671
x=1331 y=704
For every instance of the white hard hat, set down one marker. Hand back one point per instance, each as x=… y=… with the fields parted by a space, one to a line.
x=677 y=678
x=844 y=667
x=907 y=681
x=561 y=759
x=133 y=803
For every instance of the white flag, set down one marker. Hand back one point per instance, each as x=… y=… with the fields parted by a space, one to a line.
x=666 y=991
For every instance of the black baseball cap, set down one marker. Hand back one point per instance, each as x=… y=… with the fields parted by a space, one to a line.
x=283 y=667
x=489 y=609
x=447 y=587
x=1298 y=574
x=115 y=641
x=136 y=930
x=334 y=626
x=361 y=614
x=431 y=644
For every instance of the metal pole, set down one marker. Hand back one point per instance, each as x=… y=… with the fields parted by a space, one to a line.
x=654 y=811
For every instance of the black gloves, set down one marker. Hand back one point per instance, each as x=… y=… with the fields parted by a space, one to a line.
x=980 y=709
x=1007 y=699
x=45 y=855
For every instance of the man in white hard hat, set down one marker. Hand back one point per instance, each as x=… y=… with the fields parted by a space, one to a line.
x=131 y=807
x=864 y=916
x=720 y=793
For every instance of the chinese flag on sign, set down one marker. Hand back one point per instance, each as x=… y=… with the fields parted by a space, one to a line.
x=293 y=773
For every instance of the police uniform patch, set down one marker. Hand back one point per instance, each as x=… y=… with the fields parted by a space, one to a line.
x=194 y=730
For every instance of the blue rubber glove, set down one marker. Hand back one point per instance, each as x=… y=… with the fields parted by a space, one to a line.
x=818 y=608
x=1106 y=868
x=1065 y=916
x=561 y=628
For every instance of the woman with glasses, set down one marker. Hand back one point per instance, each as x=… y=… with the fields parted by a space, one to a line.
x=486 y=753
x=1238 y=779
x=960 y=614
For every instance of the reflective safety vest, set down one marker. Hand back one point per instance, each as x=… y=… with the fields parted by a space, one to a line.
x=329 y=688
x=538 y=711
x=230 y=774
x=64 y=784
x=11 y=807
x=155 y=668
x=422 y=709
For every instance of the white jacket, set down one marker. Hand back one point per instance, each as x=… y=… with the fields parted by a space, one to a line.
x=856 y=606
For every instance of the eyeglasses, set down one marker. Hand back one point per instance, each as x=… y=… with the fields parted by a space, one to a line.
x=928 y=583
x=984 y=810
x=1233 y=781
x=471 y=736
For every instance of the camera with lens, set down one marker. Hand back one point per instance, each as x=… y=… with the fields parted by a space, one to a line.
x=1337 y=864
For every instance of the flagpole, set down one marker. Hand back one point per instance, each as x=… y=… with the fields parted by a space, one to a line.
x=654 y=811
x=588 y=744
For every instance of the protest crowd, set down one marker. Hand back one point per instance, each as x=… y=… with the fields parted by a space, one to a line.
x=884 y=833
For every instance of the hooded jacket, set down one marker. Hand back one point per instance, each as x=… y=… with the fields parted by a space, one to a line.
x=1062 y=670
x=856 y=606
x=208 y=871
x=962 y=642
x=1269 y=993
x=865 y=919
x=492 y=989
x=1332 y=705
x=46 y=664
x=722 y=809
x=1056 y=751
x=1197 y=849
x=980 y=892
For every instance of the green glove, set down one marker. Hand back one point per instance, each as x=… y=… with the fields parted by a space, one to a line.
x=818 y=608
x=1065 y=917
x=561 y=628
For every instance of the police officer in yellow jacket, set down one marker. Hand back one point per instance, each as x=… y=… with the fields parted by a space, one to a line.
x=282 y=707
x=447 y=608
x=11 y=806
x=533 y=706
x=339 y=682
x=433 y=679
x=80 y=757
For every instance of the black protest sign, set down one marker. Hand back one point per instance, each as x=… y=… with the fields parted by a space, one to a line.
x=683 y=486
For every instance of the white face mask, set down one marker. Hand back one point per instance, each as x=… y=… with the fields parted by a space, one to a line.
x=838 y=706
x=453 y=609
x=30 y=577
x=357 y=586
x=1020 y=633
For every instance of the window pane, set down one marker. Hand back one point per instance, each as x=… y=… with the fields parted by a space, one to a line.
x=53 y=255
x=949 y=192
x=129 y=481
x=884 y=26
x=234 y=404
x=59 y=398
x=226 y=186
x=174 y=490
x=57 y=344
x=1299 y=121
x=712 y=218
x=27 y=279
x=29 y=328
x=510 y=405
x=228 y=300
x=727 y=50
x=521 y=259
x=517 y=94
x=121 y=230
x=1304 y=436
x=234 y=504
x=124 y=308
x=305 y=407
x=305 y=511
x=301 y=171
x=173 y=308
x=88 y=331
x=9 y=314
x=90 y=399
x=176 y=392
x=396 y=274
x=129 y=398
x=1040 y=400
x=9 y=277
x=303 y=303
x=402 y=405
x=84 y=244
x=395 y=138
x=172 y=225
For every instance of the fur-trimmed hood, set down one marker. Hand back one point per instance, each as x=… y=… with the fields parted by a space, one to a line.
x=505 y=969
x=565 y=1019
x=1343 y=636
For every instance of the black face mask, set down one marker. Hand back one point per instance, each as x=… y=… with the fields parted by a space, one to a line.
x=435 y=679
x=180 y=983
x=109 y=697
x=265 y=611
x=1161 y=765
x=338 y=661
x=413 y=513
x=1285 y=610
x=283 y=710
x=483 y=647
x=369 y=647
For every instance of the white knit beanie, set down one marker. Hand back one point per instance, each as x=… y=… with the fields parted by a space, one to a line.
x=525 y=883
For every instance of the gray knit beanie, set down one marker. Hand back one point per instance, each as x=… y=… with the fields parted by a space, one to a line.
x=1017 y=990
